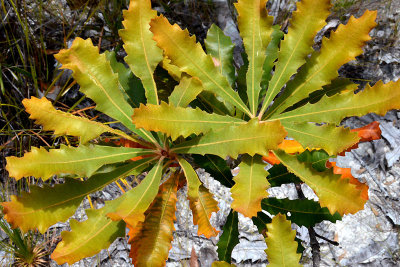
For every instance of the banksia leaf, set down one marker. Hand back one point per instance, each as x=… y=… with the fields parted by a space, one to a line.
x=229 y=238
x=192 y=179
x=378 y=99
x=63 y=123
x=178 y=121
x=317 y=158
x=202 y=210
x=151 y=244
x=220 y=47
x=172 y=70
x=325 y=136
x=306 y=21
x=369 y=132
x=338 y=85
x=97 y=80
x=89 y=237
x=250 y=186
x=271 y=56
x=143 y=53
x=345 y=173
x=209 y=102
x=251 y=138
x=255 y=27
x=279 y=175
x=346 y=42
x=33 y=210
x=217 y=167
x=185 y=92
x=131 y=85
x=281 y=251
x=331 y=190
x=189 y=56
x=303 y=212
x=136 y=201
x=82 y=160
x=261 y=221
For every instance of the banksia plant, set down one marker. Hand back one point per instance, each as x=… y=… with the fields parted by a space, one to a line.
x=255 y=114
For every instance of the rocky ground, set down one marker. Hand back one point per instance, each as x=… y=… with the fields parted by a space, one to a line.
x=368 y=238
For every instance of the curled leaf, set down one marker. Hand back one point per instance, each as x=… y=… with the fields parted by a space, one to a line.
x=151 y=239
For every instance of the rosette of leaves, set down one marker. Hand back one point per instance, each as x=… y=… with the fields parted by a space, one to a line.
x=285 y=90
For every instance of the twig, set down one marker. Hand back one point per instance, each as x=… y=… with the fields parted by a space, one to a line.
x=316 y=255
x=327 y=240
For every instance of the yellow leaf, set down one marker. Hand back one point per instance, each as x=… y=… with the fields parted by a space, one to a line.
x=192 y=179
x=306 y=21
x=136 y=201
x=202 y=210
x=63 y=123
x=143 y=53
x=152 y=240
x=250 y=186
x=281 y=245
x=184 y=52
x=337 y=194
x=83 y=160
x=255 y=27
x=344 y=45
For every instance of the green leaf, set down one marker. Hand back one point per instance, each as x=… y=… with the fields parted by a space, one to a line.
x=260 y=221
x=303 y=212
x=271 y=56
x=317 y=159
x=229 y=238
x=216 y=167
x=322 y=67
x=89 y=237
x=131 y=85
x=221 y=47
x=178 y=121
x=250 y=186
x=143 y=53
x=82 y=160
x=377 y=99
x=324 y=136
x=306 y=21
x=338 y=85
x=279 y=175
x=43 y=207
x=282 y=247
x=191 y=178
x=255 y=27
x=151 y=244
x=241 y=82
x=136 y=201
x=63 y=123
x=251 y=138
x=214 y=104
x=189 y=56
x=337 y=194
x=185 y=92
x=97 y=80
